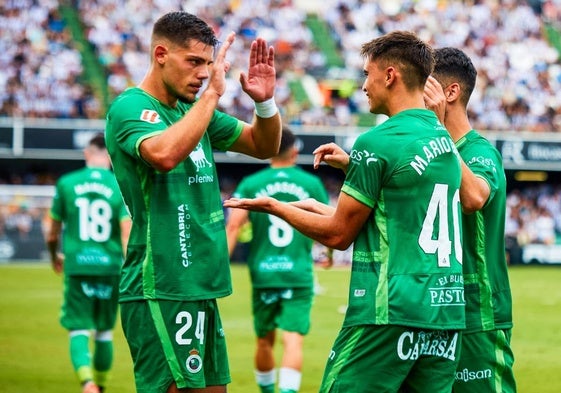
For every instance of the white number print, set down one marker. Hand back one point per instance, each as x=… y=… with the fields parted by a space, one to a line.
x=185 y=319
x=95 y=219
x=280 y=232
x=442 y=246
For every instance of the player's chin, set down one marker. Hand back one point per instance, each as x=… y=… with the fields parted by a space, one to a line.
x=187 y=98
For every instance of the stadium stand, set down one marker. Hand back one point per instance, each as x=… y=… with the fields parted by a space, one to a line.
x=67 y=59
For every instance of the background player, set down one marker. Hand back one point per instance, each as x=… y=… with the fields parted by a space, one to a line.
x=280 y=264
x=89 y=213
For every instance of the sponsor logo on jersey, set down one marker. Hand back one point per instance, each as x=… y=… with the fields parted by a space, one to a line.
x=150 y=116
x=449 y=292
x=468 y=375
x=359 y=155
x=483 y=161
x=411 y=345
x=184 y=227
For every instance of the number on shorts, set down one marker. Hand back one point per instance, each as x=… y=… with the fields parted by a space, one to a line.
x=186 y=319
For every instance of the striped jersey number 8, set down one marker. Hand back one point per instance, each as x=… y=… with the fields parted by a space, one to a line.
x=95 y=219
x=442 y=245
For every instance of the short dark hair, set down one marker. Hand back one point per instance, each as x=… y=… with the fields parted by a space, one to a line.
x=453 y=65
x=404 y=49
x=180 y=27
x=98 y=140
x=288 y=140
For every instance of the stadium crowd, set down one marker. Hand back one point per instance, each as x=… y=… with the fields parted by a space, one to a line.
x=519 y=71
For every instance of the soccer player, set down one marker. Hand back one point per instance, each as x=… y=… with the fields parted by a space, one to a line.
x=486 y=356
x=280 y=264
x=400 y=206
x=161 y=136
x=88 y=211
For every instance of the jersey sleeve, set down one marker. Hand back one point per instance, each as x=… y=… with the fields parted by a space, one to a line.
x=486 y=163
x=224 y=130
x=364 y=176
x=134 y=120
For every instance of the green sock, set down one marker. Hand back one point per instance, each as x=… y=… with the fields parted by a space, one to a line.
x=267 y=388
x=103 y=360
x=81 y=357
x=288 y=391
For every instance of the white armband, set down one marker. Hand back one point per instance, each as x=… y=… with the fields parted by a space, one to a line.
x=266 y=109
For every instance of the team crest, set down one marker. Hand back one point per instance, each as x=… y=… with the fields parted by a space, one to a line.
x=150 y=116
x=198 y=157
x=194 y=363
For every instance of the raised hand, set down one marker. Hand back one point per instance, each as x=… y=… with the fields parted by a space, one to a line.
x=220 y=66
x=331 y=154
x=259 y=82
x=435 y=99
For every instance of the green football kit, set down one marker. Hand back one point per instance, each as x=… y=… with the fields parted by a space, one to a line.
x=406 y=281
x=89 y=203
x=280 y=258
x=486 y=359
x=177 y=248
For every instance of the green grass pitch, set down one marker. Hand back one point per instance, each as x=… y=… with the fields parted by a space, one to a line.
x=34 y=350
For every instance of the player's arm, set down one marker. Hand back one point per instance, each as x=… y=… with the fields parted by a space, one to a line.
x=54 y=229
x=125 y=226
x=337 y=230
x=313 y=205
x=474 y=191
x=236 y=220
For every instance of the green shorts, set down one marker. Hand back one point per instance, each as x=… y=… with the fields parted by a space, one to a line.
x=172 y=341
x=90 y=302
x=285 y=308
x=385 y=358
x=485 y=364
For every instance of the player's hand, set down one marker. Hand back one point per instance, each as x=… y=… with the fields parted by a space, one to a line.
x=260 y=80
x=331 y=154
x=435 y=99
x=58 y=263
x=220 y=66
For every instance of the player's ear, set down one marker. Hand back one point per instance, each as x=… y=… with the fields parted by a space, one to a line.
x=452 y=92
x=160 y=53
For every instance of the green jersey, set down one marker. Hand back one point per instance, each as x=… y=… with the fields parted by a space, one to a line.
x=89 y=204
x=488 y=296
x=406 y=266
x=177 y=248
x=280 y=256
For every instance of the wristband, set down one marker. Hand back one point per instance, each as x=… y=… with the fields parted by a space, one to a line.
x=266 y=109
